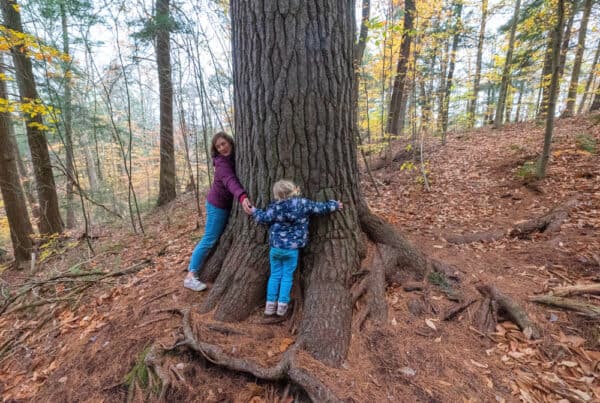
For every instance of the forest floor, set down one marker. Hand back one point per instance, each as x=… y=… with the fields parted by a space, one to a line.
x=84 y=336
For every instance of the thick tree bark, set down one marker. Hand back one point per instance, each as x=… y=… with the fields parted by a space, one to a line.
x=554 y=84
x=167 y=190
x=396 y=112
x=50 y=221
x=12 y=192
x=472 y=106
x=590 y=80
x=294 y=117
x=506 y=71
x=572 y=94
x=70 y=165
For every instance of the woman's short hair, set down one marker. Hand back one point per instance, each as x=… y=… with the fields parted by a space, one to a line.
x=285 y=189
x=213 y=143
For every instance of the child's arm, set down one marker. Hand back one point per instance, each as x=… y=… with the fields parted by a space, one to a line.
x=266 y=216
x=322 y=208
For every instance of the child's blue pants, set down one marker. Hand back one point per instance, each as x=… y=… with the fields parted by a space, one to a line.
x=283 y=265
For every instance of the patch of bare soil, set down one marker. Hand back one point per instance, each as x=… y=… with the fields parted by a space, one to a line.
x=99 y=344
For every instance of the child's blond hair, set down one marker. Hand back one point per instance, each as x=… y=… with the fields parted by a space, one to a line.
x=285 y=189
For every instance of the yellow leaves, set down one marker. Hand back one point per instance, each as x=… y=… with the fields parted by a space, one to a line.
x=16 y=8
x=29 y=45
x=31 y=109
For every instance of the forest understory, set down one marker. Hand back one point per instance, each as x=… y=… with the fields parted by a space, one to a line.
x=119 y=325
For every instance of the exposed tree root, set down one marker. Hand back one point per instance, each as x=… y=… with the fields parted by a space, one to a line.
x=578 y=289
x=506 y=305
x=549 y=222
x=583 y=308
x=286 y=369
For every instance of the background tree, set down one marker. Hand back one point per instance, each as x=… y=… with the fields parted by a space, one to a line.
x=472 y=105
x=10 y=186
x=506 y=71
x=572 y=94
x=396 y=112
x=167 y=190
x=50 y=220
x=554 y=84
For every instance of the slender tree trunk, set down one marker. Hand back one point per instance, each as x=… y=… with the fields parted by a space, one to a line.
x=301 y=129
x=167 y=191
x=509 y=103
x=547 y=69
x=70 y=166
x=396 y=113
x=10 y=186
x=596 y=100
x=472 y=106
x=506 y=71
x=590 y=80
x=564 y=49
x=519 y=102
x=554 y=84
x=50 y=221
x=458 y=6
x=572 y=94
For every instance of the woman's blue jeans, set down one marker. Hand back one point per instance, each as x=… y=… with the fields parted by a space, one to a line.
x=283 y=265
x=216 y=220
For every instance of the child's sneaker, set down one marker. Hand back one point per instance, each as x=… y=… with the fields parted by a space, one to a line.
x=194 y=284
x=282 y=308
x=270 y=308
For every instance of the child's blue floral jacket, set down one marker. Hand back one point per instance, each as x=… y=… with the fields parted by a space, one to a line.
x=289 y=220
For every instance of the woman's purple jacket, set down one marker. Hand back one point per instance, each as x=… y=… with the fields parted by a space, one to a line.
x=226 y=185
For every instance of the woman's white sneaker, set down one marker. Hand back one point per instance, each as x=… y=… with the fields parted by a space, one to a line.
x=194 y=284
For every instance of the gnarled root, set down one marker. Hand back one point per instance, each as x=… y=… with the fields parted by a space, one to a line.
x=286 y=369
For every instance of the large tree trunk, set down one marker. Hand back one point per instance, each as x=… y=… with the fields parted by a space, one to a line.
x=50 y=221
x=12 y=192
x=458 y=6
x=293 y=81
x=70 y=166
x=472 y=106
x=506 y=71
x=167 y=190
x=554 y=84
x=397 y=108
x=572 y=94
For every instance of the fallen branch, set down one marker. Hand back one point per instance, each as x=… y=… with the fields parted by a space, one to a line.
x=30 y=287
x=517 y=314
x=549 y=222
x=590 y=310
x=578 y=289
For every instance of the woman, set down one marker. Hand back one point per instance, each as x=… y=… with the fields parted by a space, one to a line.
x=225 y=187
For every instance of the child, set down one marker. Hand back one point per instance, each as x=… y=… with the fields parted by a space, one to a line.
x=288 y=219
